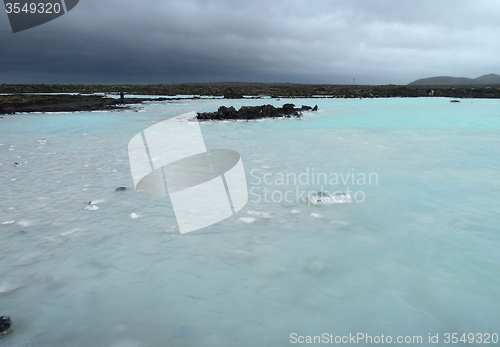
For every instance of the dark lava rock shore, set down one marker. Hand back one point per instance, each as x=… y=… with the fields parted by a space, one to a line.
x=255 y=112
x=21 y=101
x=25 y=103
x=257 y=90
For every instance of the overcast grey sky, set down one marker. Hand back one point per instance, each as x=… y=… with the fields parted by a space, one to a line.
x=315 y=41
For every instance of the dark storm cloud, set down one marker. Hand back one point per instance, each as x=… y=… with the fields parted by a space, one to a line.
x=123 y=41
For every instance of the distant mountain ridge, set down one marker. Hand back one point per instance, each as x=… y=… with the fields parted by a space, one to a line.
x=490 y=79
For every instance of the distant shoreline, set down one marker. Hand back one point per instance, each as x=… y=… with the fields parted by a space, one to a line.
x=259 y=89
x=21 y=98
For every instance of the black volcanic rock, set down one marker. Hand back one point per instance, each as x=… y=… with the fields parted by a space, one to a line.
x=19 y=99
x=5 y=324
x=11 y=104
x=230 y=93
x=254 y=112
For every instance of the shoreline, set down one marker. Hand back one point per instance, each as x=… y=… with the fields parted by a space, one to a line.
x=274 y=90
x=16 y=99
x=30 y=103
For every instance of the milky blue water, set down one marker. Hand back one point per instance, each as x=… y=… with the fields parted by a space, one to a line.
x=416 y=253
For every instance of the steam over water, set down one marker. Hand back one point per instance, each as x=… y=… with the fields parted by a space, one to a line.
x=416 y=252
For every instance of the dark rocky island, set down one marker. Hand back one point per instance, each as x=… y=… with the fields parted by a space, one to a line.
x=255 y=112
x=26 y=103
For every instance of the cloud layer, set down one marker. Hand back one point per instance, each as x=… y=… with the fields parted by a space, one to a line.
x=157 y=41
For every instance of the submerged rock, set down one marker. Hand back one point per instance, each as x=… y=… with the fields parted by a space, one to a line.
x=5 y=325
x=455 y=101
x=255 y=112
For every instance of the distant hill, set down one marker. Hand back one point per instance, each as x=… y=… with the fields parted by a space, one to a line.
x=490 y=79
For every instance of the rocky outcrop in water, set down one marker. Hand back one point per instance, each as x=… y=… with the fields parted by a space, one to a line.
x=5 y=325
x=255 y=112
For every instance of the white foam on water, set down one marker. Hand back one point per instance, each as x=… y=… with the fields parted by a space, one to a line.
x=260 y=214
x=7 y=287
x=92 y=207
x=317 y=266
x=247 y=220
x=8 y=222
x=134 y=215
x=172 y=229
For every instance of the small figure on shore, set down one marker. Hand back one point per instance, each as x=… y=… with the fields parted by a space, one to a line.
x=5 y=325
